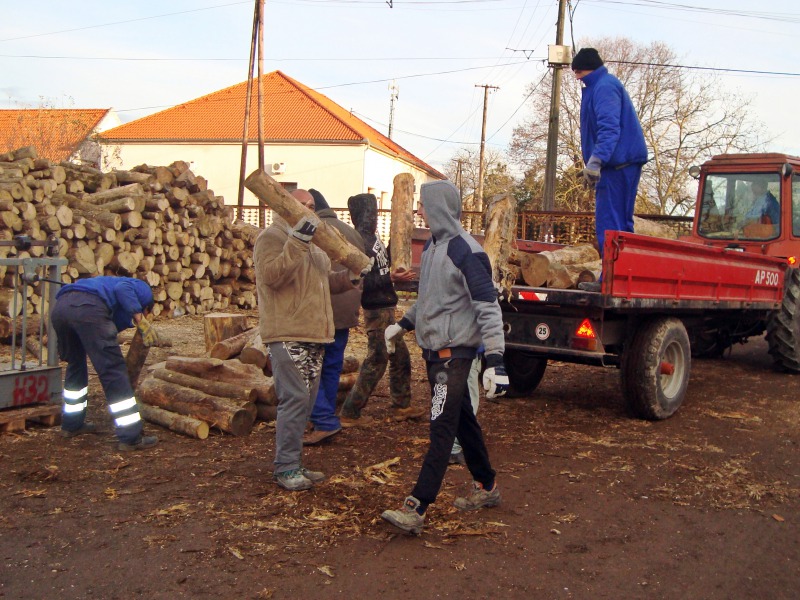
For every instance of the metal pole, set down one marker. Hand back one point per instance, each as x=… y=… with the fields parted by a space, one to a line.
x=549 y=200
x=479 y=192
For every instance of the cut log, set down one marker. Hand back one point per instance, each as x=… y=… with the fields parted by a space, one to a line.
x=11 y=302
x=537 y=268
x=501 y=228
x=255 y=352
x=232 y=346
x=174 y=422
x=214 y=410
x=328 y=239
x=231 y=371
x=136 y=357
x=402 y=224
x=221 y=326
x=214 y=388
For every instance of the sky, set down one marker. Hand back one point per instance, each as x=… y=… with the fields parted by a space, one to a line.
x=144 y=56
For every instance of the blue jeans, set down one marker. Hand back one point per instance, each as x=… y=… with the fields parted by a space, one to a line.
x=323 y=415
x=615 y=198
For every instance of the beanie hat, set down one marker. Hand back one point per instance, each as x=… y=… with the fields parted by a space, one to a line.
x=587 y=59
x=319 y=200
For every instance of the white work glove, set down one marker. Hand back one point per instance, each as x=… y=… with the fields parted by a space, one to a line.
x=392 y=332
x=495 y=379
x=304 y=229
x=591 y=174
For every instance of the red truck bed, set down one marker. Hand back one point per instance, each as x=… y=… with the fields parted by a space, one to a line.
x=654 y=272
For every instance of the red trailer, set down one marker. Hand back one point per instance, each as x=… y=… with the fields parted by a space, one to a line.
x=663 y=301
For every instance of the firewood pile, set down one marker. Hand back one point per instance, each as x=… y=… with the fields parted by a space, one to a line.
x=160 y=224
x=228 y=390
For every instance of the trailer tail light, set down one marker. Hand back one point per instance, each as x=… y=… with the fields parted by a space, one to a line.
x=585 y=337
x=792 y=260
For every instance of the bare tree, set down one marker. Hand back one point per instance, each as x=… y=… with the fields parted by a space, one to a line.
x=687 y=116
x=462 y=170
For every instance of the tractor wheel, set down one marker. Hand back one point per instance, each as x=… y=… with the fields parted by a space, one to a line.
x=783 y=326
x=525 y=371
x=655 y=369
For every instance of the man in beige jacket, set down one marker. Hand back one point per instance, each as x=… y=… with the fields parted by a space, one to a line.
x=294 y=285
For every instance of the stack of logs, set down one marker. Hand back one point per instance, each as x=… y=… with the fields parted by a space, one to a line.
x=160 y=224
x=230 y=389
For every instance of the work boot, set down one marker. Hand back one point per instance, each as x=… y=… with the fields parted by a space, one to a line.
x=313 y=476
x=315 y=437
x=362 y=421
x=85 y=428
x=293 y=480
x=407 y=518
x=142 y=442
x=457 y=458
x=479 y=498
x=409 y=412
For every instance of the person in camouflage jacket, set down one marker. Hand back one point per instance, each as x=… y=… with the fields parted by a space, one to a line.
x=379 y=301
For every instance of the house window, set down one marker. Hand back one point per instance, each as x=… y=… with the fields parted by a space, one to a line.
x=289 y=186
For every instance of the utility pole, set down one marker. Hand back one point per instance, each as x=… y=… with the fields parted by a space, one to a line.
x=552 y=131
x=394 y=94
x=479 y=192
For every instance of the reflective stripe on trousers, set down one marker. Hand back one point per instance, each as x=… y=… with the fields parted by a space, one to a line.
x=125 y=412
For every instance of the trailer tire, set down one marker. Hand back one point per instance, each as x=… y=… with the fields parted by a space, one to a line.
x=783 y=326
x=525 y=371
x=650 y=392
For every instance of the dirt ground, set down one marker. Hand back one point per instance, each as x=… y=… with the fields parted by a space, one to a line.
x=595 y=504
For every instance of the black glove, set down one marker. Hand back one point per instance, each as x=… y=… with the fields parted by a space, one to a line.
x=495 y=379
x=304 y=229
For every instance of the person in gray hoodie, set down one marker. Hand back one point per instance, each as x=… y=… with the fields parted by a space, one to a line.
x=456 y=310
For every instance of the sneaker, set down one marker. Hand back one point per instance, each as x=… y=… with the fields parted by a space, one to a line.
x=407 y=518
x=362 y=421
x=479 y=498
x=315 y=437
x=312 y=476
x=457 y=458
x=85 y=428
x=293 y=480
x=141 y=443
x=409 y=412
x=590 y=286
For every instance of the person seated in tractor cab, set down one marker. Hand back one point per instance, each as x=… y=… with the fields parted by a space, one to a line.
x=763 y=218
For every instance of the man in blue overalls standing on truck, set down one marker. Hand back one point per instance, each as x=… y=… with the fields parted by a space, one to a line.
x=86 y=317
x=612 y=144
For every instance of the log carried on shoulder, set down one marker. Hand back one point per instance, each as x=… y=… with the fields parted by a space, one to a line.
x=402 y=225
x=501 y=227
x=333 y=243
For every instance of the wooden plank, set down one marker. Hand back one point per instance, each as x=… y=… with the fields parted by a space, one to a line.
x=15 y=419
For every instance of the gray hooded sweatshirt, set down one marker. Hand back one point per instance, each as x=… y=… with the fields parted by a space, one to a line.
x=456 y=306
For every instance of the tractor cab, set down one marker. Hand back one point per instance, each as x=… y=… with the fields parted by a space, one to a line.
x=749 y=202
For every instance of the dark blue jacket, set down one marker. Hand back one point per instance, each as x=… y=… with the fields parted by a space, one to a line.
x=124 y=296
x=610 y=128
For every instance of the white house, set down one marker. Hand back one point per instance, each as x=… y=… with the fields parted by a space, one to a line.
x=310 y=142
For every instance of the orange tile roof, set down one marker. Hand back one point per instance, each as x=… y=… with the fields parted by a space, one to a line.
x=55 y=132
x=293 y=112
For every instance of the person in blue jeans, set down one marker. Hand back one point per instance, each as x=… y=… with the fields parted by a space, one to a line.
x=613 y=147
x=86 y=318
x=345 y=307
